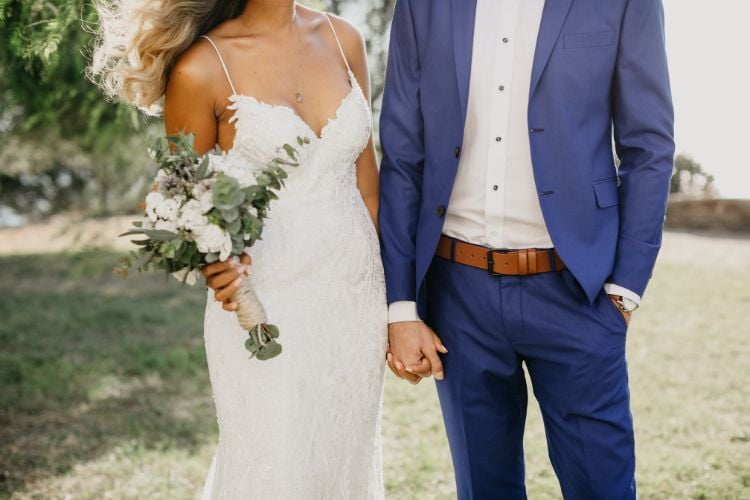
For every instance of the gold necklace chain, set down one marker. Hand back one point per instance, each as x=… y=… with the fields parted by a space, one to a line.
x=298 y=95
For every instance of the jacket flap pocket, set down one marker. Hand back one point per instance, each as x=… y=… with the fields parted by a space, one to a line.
x=606 y=193
x=583 y=40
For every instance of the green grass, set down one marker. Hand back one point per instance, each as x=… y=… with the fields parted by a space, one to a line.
x=105 y=392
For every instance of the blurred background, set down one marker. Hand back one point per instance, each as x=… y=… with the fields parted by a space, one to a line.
x=103 y=384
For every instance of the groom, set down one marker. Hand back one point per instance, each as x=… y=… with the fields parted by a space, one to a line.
x=508 y=230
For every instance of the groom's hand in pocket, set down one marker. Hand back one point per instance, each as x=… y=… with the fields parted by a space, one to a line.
x=413 y=351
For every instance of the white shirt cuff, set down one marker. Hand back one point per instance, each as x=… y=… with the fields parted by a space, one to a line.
x=403 y=310
x=613 y=289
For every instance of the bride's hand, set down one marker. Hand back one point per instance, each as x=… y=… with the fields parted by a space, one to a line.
x=225 y=278
x=413 y=351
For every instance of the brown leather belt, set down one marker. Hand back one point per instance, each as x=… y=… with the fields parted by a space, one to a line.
x=500 y=262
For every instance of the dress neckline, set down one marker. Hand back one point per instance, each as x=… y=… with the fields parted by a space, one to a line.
x=236 y=97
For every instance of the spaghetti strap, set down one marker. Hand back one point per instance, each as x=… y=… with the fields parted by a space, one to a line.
x=223 y=64
x=338 y=42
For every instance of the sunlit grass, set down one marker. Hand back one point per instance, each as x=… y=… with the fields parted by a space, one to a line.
x=105 y=392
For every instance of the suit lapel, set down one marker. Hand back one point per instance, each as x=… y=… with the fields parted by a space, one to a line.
x=463 y=13
x=553 y=19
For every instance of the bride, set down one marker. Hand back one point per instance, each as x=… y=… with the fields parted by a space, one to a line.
x=250 y=76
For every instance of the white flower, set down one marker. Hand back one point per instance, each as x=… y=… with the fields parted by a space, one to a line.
x=161 y=176
x=167 y=209
x=243 y=172
x=211 y=239
x=159 y=207
x=206 y=201
x=147 y=223
x=192 y=276
x=166 y=225
x=191 y=216
x=202 y=192
x=153 y=199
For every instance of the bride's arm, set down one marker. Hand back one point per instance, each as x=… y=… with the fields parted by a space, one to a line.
x=190 y=107
x=189 y=102
x=368 y=180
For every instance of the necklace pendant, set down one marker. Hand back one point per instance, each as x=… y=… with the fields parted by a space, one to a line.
x=300 y=97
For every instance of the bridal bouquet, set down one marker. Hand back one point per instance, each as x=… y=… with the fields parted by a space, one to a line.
x=206 y=209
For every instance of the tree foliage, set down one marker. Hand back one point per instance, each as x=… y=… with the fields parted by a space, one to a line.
x=690 y=179
x=50 y=113
x=52 y=119
x=43 y=58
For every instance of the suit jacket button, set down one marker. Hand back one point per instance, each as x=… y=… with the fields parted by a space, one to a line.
x=457 y=152
x=440 y=211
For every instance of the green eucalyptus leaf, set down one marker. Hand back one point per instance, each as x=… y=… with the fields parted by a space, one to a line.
x=203 y=168
x=255 y=334
x=230 y=215
x=235 y=226
x=142 y=260
x=290 y=151
x=251 y=345
x=154 y=234
x=263 y=179
x=272 y=331
x=269 y=351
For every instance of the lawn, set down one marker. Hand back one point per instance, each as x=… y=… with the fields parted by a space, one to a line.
x=105 y=393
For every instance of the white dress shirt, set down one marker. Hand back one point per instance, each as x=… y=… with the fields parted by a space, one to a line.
x=494 y=202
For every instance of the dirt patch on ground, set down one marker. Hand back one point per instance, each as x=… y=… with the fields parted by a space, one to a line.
x=61 y=234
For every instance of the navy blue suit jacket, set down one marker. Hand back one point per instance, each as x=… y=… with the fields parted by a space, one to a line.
x=600 y=72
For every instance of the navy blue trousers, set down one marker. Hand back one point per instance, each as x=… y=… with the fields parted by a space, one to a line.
x=575 y=355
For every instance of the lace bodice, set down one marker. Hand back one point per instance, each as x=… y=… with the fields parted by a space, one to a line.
x=262 y=128
x=256 y=119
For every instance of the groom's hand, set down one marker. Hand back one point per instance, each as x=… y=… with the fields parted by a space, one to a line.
x=413 y=351
x=625 y=314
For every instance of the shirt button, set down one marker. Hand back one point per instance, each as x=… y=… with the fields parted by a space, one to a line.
x=501 y=88
x=498 y=139
x=505 y=40
x=495 y=187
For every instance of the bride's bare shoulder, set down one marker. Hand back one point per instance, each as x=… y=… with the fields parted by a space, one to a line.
x=196 y=69
x=350 y=37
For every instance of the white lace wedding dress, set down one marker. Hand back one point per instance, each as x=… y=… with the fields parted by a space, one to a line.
x=304 y=425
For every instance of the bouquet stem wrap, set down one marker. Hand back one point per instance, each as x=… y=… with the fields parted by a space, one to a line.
x=250 y=312
x=252 y=317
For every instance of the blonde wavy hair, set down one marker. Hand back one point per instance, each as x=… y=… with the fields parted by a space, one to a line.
x=138 y=41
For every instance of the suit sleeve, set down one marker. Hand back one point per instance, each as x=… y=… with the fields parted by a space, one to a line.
x=402 y=142
x=643 y=119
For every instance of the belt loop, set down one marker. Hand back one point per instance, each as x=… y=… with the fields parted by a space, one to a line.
x=523 y=262
x=532 y=261
x=552 y=261
x=453 y=249
x=560 y=264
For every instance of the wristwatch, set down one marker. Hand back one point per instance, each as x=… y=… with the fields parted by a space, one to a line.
x=625 y=304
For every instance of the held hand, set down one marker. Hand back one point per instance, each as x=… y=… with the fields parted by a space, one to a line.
x=626 y=315
x=413 y=351
x=225 y=278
